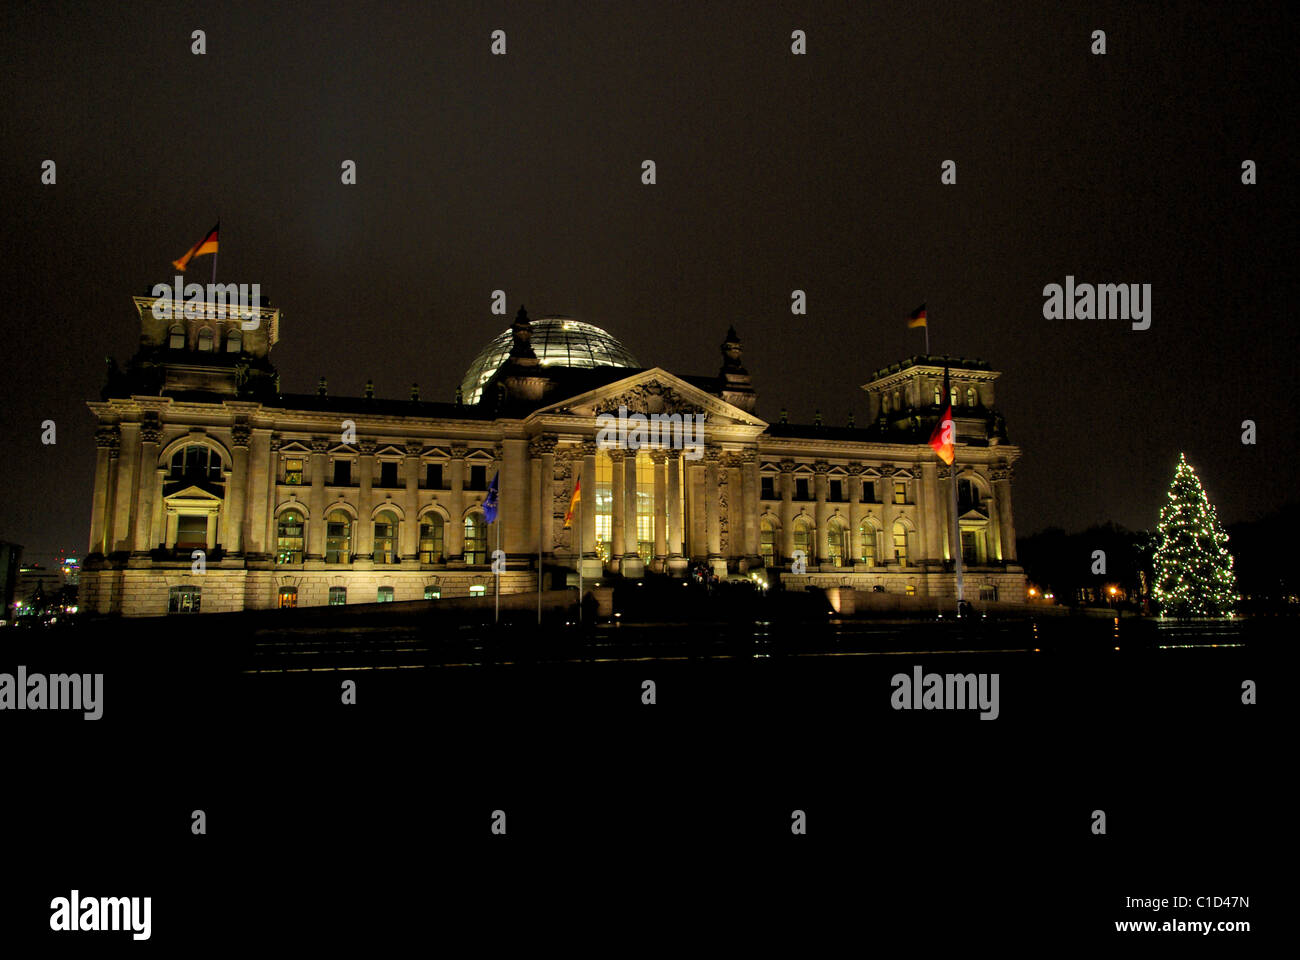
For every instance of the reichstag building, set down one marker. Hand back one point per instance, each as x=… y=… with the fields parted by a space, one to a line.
x=216 y=492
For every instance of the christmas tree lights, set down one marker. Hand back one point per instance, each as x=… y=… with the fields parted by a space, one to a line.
x=1193 y=569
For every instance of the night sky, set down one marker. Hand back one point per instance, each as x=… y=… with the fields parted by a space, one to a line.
x=776 y=172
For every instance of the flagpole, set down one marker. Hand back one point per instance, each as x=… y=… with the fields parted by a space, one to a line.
x=927 y=333
x=579 y=562
x=496 y=615
x=541 y=526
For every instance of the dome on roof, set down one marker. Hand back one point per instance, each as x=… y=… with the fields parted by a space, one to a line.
x=558 y=342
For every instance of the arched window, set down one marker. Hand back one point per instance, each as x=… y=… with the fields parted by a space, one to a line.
x=884 y=402
x=289 y=537
x=431 y=539
x=803 y=536
x=475 y=539
x=952 y=395
x=234 y=341
x=938 y=395
x=338 y=538
x=970 y=396
x=767 y=541
x=836 y=547
x=386 y=537
x=205 y=340
x=196 y=462
x=867 y=543
x=900 y=542
x=898 y=404
x=176 y=337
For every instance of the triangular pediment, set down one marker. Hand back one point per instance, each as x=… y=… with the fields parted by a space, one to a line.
x=192 y=492
x=649 y=392
x=974 y=515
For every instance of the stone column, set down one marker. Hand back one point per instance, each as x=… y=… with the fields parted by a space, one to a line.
x=660 y=460
x=364 y=543
x=930 y=507
x=150 y=433
x=124 y=493
x=787 y=512
x=240 y=434
x=712 y=529
x=853 y=490
x=821 y=513
x=408 y=541
x=751 y=491
x=316 y=504
x=455 y=535
x=264 y=517
x=619 y=507
x=674 y=501
x=1002 y=478
x=107 y=438
x=587 y=506
x=519 y=537
x=541 y=451
x=631 y=534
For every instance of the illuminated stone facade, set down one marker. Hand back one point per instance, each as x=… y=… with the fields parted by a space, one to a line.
x=214 y=491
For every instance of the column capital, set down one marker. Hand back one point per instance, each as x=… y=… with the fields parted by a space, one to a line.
x=150 y=429
x=821 y=468
x=414 y=448
x=366 y=448
x=615 y=454
x=458 y=451
x=319 y=444
x=540 y=445
x=588 y=448
x=658 y=455
x=787 y=466
x=240 y=435
x=108 y=435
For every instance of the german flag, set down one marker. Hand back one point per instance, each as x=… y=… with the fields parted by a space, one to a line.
x=207 y=245
x=942 y=438
x=573 y=502
x=917 y=317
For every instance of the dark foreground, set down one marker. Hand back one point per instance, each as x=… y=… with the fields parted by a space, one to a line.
x=372 y=820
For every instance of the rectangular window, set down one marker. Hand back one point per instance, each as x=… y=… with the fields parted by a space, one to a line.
x=477 y=478
x=988 y=592
x=184 y=600
x=900 y=491
x=837 y=491
x=338 y=596
x=968 y=553
x=288 y=599
x=342 y=473
x=769 y=488
x=293 y=471
x=431 y=541
x=477 y=590
x=191 y=531
x=909 y=590
x=385 y=595
x=801 y=488
x=433 y=476
x=433 y=593
x=388 y=473
x=869 y=491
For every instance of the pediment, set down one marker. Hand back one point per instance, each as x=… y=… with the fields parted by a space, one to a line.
x=974 y=515
x=649 y=392
x=192 y=492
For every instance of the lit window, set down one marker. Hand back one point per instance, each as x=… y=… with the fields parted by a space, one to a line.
x=385 y=595
x=767 y=542
x=234 y=342
x=289 y=538
x=970 y=396
x=938 y=395
x=900 y=541
x=205 y=340
x=835 y=546
x=386 y=538
x=475 y=539
x=338 y=596
x=288 y=598
x=909 y=590
x=952 y=396
x=431 y=539
x=338 y=538
x=433 y=593
x=183 y=600
x=802 y=538
x=293 y=471
x=867 y=543
x=176 y=338
x=477 y=590
x=900 y=491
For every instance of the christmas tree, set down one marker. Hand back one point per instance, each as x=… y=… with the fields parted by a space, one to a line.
x=1193 y=569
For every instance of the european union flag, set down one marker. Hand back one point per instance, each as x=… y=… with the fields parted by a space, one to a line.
x=490 y=501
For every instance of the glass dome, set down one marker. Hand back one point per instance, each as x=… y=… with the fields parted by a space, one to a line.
x=558 y=342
